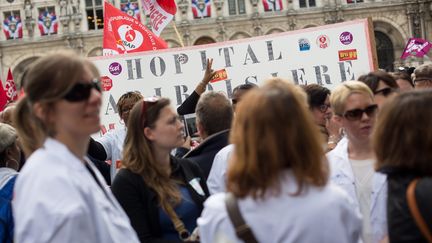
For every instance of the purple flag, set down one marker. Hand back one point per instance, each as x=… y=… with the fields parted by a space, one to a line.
x=416 y=47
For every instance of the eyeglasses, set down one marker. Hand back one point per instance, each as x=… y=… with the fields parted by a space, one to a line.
x=357 y=114
x=323 y=108
x=146 y=104
x=81 y=91
x=385 y=92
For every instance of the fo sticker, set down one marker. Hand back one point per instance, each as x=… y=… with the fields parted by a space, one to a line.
x=304 y=44
x=346 y=55
x=346 y=38
x=323 y=41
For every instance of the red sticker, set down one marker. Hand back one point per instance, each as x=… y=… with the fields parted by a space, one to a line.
x=346 y=55
x=106 y=83
x=219 y=76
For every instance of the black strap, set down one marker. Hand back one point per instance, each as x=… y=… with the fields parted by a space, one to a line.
x=243 y=231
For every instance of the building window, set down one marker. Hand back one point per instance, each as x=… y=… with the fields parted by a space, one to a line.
x=354 y=1
x=307 y=3
x=236 y=7
x=385 y=51
x=12 y=25
x=47 y=21
x=94 y=10
x=131 y=8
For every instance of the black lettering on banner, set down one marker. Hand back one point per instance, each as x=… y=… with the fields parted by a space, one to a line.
x=131 y=69
x=111 y=105
x=270 y=52
x=251 y=55
x=299 y=76
x=250 y=78
x=181 y=90
x=319 y=74
x=227 y=55
x=345 y=69
x=178 y=60
x=228 y=88
x=204 y=59
x=162 y=66
x=158 y=92
x=274 y=75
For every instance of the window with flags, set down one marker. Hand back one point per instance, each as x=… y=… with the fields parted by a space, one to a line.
x=12 y=25
x=94 y=10
x=131 y=8
x=307 y=3
x=47 y=21
x=236 y=7
x=201 y=8
x=272 y=5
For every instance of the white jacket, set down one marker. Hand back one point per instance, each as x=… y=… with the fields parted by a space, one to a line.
x=341 y=173
x=57 y=200
x=324 y=215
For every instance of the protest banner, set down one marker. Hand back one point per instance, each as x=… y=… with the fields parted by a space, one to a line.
x=326 y=55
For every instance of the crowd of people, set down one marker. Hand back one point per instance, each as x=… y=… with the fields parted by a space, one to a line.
x=276 y=163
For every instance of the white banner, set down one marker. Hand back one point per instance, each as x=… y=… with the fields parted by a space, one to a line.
x=327 y=55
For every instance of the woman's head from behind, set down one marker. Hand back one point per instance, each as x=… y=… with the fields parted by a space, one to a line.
x=403 y=138
x=9 y=150
x=62 y=99
x=271 y=132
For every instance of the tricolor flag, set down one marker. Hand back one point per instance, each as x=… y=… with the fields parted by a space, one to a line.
x=10 y=88
x=12 y=27
x=416 y=47
x=3 y=97
x=272 y=5
x=47 y=23
x=131 y=9
x=201 y=9
x=125 y=34
x=161 y=12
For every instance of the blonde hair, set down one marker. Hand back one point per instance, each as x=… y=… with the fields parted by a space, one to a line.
x=271 y=131
x=341 y=93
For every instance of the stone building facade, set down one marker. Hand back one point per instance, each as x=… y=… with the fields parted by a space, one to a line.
x=32 y=28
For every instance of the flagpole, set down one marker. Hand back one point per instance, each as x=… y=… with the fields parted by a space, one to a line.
x=178 y=34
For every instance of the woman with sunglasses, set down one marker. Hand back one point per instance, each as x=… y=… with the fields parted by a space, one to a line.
x=352 y=161
x=59 y=195
x=382 y=84
x=162 y=195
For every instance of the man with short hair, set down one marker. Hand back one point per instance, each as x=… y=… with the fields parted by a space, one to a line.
x=214 y=115
x=422 y=76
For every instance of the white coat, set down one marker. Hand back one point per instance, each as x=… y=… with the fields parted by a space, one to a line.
x=341 y=173
x=113 y=142
x=56 y=199
x=324 y=215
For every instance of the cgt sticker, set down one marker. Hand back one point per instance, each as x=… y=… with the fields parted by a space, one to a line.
x=346 y=55
x=323 y=41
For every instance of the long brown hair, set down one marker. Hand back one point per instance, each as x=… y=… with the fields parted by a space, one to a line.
x=273 y=131
x=402 y=137
x=138 y=155
x=48 y=79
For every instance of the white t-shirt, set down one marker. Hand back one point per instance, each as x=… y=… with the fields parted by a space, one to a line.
x=113 y=142
x=217 y=176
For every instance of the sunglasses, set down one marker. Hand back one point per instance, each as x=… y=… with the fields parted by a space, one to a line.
x=356 y=114
x=385 y=92
x=81 y=91
x=146 y=104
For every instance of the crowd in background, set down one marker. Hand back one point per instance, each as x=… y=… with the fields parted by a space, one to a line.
x=273 y=163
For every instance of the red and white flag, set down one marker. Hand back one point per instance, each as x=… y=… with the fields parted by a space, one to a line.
x=161 y=12
x=272 y=5
x=125 y=34
x=10 y=88
x=3 y=97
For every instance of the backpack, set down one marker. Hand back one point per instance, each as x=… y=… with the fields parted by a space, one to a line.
x=6 y=218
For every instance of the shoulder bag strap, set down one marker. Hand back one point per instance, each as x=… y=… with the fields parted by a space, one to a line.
x=412 y=204
x=243 y=231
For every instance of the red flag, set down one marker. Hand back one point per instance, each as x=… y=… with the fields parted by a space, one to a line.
x=3 y=97
x=161 y=12
x=10 y=87
x=125 y=34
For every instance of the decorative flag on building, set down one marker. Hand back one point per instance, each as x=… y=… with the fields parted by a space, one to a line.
x=201 y=9
x=3 y=97
x=416 y=47
x=47 y=23
x=272 y=5
x=125 y=34
x=12 y=27
x=161 y=12
x=131 y=9
x=10 y=88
